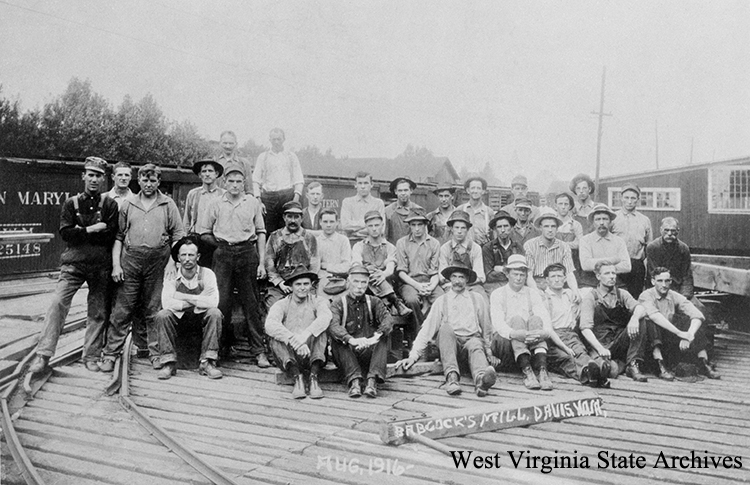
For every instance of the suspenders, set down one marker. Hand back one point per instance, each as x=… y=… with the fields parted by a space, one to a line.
x=369 y=308
x=98 y=215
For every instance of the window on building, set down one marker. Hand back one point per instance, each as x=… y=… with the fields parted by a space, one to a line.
x=729 y=189
x=652 y=198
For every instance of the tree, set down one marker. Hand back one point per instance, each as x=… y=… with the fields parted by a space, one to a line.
x=184 y=145
x=251 y=150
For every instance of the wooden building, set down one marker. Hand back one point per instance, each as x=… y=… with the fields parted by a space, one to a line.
x=711 y=201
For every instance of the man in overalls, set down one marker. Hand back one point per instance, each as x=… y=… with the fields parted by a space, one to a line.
x=189 y=298
x=379 y=257
x=88 y=224
x=461 y=250
x=612 y=322
x=289 y=247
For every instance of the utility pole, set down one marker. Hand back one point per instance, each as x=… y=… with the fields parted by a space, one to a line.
x=656 y=134
x=601 y=115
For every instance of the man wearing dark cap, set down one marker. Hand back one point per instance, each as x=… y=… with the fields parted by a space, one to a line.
x=524 y=229
x=460 y=324
x=479 y=212
x=602 y=245
x=439 y=217
x=379 y=257
x=495 y=253
x=289 y=247
x=188 y=299
x=235 y=227
x=200 y=198
x=417 y=263
x=635 y=229
x=396 y=212
x=149 y=225
x=353 y=209
x=297 y=327
x=88 y=224
x=359 y=334
x=519 y=187
x=461 y=249
x=583 y=187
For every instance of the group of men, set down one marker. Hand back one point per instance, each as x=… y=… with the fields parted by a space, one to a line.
x=526 y=288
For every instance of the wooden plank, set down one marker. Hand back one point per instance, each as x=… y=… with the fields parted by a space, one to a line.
x=459 y=422
x=722 y=278
x=739 y=262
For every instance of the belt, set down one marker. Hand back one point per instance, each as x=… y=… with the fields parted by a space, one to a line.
x=238 y=244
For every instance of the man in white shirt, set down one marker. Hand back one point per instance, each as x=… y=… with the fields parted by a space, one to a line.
x=335 y=256
x=192 y=295
x=353 y=209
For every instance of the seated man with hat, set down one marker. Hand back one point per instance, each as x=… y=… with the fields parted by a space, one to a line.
x=520 y=188
x=460 y=324
x=524 y=228
x=479 y=212
x=520 y=316
x=189 y=298
x=297 y=326
x=379 y=257
x=359 y=334
x=396 y=212
x=547 y=249
x=417 y=265
x=200 y=198
x=462 y=249
x=439 y=217
x=602 y=245
x=289 y=247
x=496 y=252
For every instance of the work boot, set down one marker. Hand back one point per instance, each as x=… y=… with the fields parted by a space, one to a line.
x=486 y=380
x=166 y=371
x=634 y=372
x=529 y=379
x=91 y=366
x=141 y=353
x=705 y=369
x=355 y=388
x=371 y=390
x=590 y=374
x=604 y=373
x=156 y=363
x=40 y=365
x=299 y=387
x=664 y=372
x=262 y=361
x=544 y=381
x=402 y=309
x=107 y=365
x=315 y=391
x=452 y=385
x=207 y=368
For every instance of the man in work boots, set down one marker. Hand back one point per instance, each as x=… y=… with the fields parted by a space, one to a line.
x=88 y=224
x=191 y=297
x=520 y=316
x=297 y=326
x=460 y=324
x=359 y=334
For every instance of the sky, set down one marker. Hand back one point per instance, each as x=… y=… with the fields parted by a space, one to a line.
x=509 y=83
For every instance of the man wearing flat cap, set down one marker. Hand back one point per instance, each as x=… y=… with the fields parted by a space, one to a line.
x=519 y=187
x=297 y=327
x=461 y=249
x=524 y=229
x=583 y=187
x=235 y=227
x=379 y=257
x=190 y=298
x=200 y=198
x=417 y=256
x=439 y=217
x=396 y=212
x=635 y=229
x=288 y=248
x=479 y=212
x=359 y=333
x=88 y=225
x=602 y=245
x=547 y=249
x=460 y=325
x=495 y=253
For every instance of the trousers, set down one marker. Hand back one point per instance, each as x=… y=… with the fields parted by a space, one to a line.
x=168 y=324
x=358 y=363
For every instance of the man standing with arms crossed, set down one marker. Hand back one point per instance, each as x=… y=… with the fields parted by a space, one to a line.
x=635 y=229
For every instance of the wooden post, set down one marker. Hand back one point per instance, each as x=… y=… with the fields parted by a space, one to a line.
x=491 y=417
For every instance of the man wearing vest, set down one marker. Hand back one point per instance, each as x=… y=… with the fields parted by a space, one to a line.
x=460 y=324
x=297 y=326
x=189 y=298
x=199 y=199
x=359 y=334
x=495 y=253
x=88 y=224
x=461 y=249
x=524 y=229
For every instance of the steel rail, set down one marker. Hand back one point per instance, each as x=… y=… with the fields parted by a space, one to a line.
x=188 y=456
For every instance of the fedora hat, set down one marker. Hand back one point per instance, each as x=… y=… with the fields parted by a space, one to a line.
x=189 y=239
x=502 y=215
x=443 y=188
x=198 y=166
x=459 y=216
x=601 y=208
x=457 y=267
x=392 y=186
x=547 y=213
x=300 y=271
